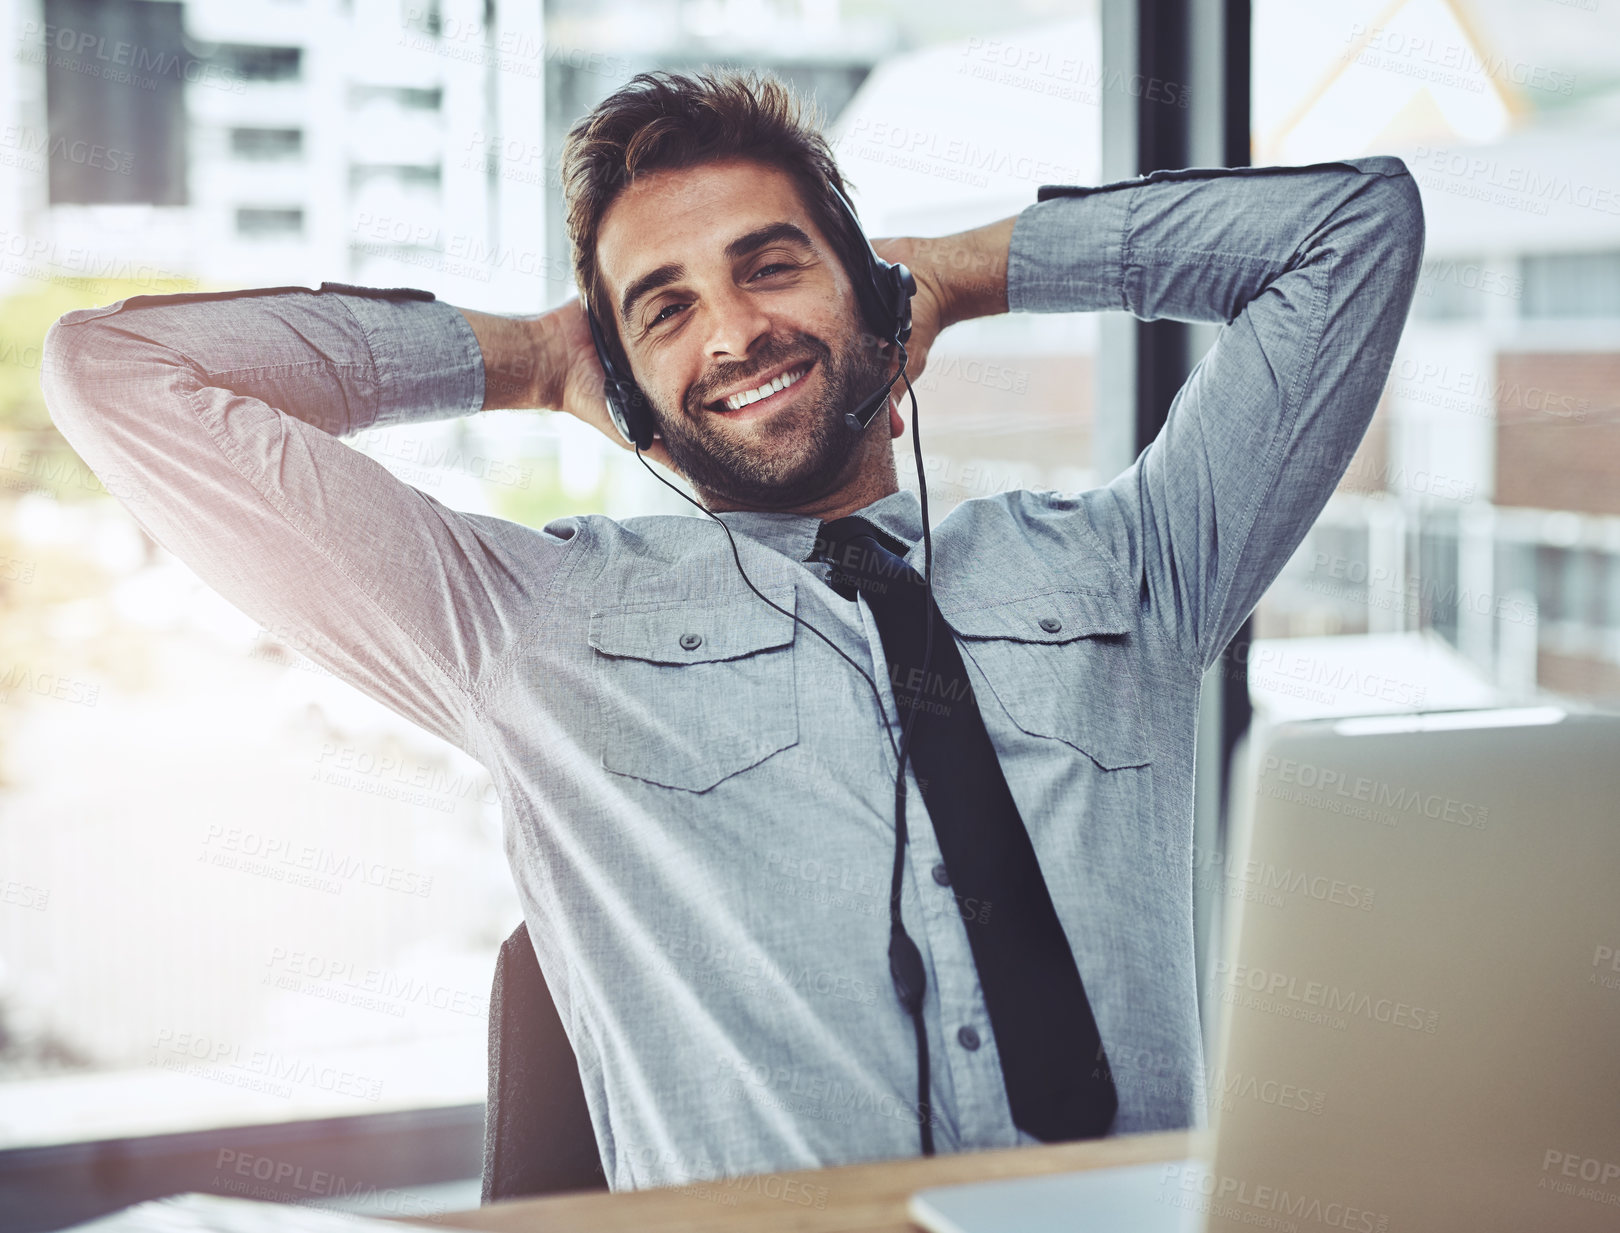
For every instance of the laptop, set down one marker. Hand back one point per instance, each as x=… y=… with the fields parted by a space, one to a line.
x=1419 y=995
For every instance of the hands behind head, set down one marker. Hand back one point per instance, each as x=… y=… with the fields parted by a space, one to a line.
x=576 y=377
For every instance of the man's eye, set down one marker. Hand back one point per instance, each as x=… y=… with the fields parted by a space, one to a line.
x=775 y=265
x=660 y=318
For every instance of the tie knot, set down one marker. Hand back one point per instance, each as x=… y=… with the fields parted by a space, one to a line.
x=863 y=557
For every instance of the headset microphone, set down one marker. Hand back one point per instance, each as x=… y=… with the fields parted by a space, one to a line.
x=884 y=292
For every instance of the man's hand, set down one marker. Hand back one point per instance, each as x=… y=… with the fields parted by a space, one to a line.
x=578 y=380
x=548 y=362
x=958 y=277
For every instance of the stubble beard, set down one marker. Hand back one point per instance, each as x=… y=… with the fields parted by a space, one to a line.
x=796 y=454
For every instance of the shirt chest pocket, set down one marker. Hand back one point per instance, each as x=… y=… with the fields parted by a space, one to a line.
x=690 y=692
x=1062 y=665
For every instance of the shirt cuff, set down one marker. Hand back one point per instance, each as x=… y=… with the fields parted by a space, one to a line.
x=1065 y=255
x=425 y=356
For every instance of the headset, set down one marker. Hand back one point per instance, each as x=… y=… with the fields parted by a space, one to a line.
x=883 y=291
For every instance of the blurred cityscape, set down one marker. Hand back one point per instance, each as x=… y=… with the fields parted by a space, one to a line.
x=234 y=889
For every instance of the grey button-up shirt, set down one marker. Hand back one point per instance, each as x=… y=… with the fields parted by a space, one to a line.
x=697 y=792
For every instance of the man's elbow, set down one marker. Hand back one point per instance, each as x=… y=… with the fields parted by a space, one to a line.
x=68 y=358
x=1400 y=206
x=88 y=372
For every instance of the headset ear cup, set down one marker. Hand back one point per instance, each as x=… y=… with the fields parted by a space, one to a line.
x=630 y=410
x=905 y=286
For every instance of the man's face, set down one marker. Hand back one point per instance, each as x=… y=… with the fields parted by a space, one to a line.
x=721 y=283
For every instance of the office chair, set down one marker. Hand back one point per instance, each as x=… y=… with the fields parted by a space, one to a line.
x=537 y=1129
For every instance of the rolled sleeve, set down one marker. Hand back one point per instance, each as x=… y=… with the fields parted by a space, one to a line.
x=1311 y=271
x=426 y=358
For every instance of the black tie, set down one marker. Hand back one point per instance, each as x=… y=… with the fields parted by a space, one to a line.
x=1058 y=1080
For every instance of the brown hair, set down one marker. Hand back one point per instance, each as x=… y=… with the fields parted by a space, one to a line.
x=663 y=120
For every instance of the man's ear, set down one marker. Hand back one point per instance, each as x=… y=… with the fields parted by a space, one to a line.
x=896 y=424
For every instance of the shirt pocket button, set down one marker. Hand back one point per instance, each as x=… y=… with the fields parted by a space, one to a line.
x=691 y=642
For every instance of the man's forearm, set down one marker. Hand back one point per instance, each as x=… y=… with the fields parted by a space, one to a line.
x=523 y=357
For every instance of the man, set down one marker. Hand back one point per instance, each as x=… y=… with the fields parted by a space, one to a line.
x=698 y=792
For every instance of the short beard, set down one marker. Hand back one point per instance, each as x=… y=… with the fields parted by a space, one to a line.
x=749 y=478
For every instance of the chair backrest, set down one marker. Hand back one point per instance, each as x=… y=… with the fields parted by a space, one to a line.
x=538 y=1137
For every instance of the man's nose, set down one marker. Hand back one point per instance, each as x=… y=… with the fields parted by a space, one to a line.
x=736 y=322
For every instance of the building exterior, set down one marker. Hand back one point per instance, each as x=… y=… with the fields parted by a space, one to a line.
x=234 y=143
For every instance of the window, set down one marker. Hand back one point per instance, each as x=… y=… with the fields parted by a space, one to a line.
x=1492 y=520
x=415 y=98
x=404 y=174
x=254 y=62
x=253 y=222
x=219 y=747
x=267 y=144
x=1572 y=285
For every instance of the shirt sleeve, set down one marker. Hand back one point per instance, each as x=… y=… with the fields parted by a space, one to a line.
x=1311 y=270
x=215 y=419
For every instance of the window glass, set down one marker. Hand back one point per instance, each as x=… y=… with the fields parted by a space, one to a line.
x=232 y=889
x=1472 y=545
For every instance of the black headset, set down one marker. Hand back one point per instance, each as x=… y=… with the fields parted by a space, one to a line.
x=883 y=290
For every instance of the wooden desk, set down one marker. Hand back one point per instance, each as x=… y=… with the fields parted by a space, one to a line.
x=860 y=1198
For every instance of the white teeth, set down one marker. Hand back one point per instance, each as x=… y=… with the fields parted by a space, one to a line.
x=738 y=401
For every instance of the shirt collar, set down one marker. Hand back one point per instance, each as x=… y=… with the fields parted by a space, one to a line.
x=794 y=535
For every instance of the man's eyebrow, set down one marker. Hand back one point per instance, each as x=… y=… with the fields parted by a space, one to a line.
x=771 y=233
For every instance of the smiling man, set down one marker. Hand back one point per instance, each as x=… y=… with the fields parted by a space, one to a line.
x=698 y=787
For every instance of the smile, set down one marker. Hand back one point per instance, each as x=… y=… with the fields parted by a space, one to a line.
x=746 y=398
